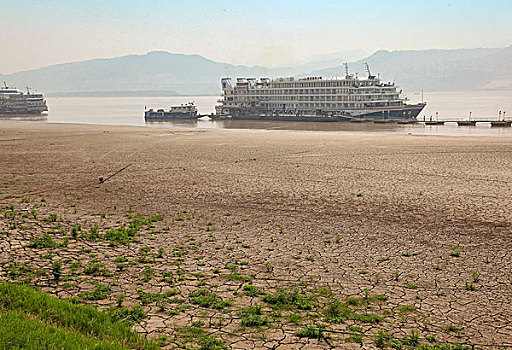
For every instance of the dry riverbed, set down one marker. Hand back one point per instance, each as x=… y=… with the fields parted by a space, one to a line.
x=246 y=238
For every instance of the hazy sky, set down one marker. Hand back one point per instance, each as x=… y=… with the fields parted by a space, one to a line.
x=37 y=33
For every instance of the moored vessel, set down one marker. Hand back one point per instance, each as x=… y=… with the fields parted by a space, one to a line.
x=184 y=111
x=314 y=99
x=15 y=102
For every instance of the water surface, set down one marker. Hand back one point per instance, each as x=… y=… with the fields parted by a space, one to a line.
x=130 y=111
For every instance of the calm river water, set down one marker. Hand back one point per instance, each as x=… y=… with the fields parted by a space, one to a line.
x=130 y=111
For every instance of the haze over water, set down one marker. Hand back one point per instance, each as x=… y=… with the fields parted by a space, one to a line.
x=130 y=111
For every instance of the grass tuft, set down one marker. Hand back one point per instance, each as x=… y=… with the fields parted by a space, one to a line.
x=56 y=321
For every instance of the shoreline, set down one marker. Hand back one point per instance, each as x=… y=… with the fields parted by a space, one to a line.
x=181 y=126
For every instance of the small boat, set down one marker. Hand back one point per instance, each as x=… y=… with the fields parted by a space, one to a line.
x=185 y=111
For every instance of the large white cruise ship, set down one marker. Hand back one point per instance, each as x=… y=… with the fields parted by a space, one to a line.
x=314 y=98
x=15 y=102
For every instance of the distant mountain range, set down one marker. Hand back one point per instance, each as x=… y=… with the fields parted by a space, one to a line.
x=163 y=74
x=440 y=70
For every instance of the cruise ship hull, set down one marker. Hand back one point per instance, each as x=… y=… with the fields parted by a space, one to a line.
x=30 y=111
x=282 y=118
x=406 y=112
x=403 y=112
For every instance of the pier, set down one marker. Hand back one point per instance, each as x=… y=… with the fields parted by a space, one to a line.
x=474 y=122
x=499 y=122
x=459 y=122
x=493 y=122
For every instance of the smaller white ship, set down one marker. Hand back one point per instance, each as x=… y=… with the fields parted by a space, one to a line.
x=15 y=102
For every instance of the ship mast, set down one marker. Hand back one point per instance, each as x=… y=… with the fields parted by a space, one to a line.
x=346 y=70
x=367 y=67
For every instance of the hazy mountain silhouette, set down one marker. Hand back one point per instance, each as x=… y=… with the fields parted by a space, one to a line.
x=164 y=73
x=438 y=70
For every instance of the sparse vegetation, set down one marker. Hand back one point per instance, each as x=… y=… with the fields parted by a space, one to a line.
x=312 y=332
x=337 y=311
x=44 y=241
x=120 y=259
x=32 y=319
x=97 y=269
x=455 y=253
x=98 y=293
x=290 y=299
x=206 y=298
x=252 y=291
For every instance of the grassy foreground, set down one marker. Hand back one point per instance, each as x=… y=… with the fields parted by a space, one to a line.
x=30 y=319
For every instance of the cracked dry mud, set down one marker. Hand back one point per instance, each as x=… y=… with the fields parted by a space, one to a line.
x=423 y=221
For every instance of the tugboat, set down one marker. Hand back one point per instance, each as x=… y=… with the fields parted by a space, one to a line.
x=184 y=111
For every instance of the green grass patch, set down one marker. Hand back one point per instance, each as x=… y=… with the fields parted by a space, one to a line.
x=209 y=299
x=290 y=299
x=20 y=331
x=98 y=293
x=385 y=341
x=355 y=301
x=196 y=335
x=338 y=312
x=125 y=234
x=312 y=332
x=130 y=316
x=251 y=316
x=236 y=277
x=97 y=269
x=43 y=309
x=253 y=291
x=147 y=298
x=44 y=241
